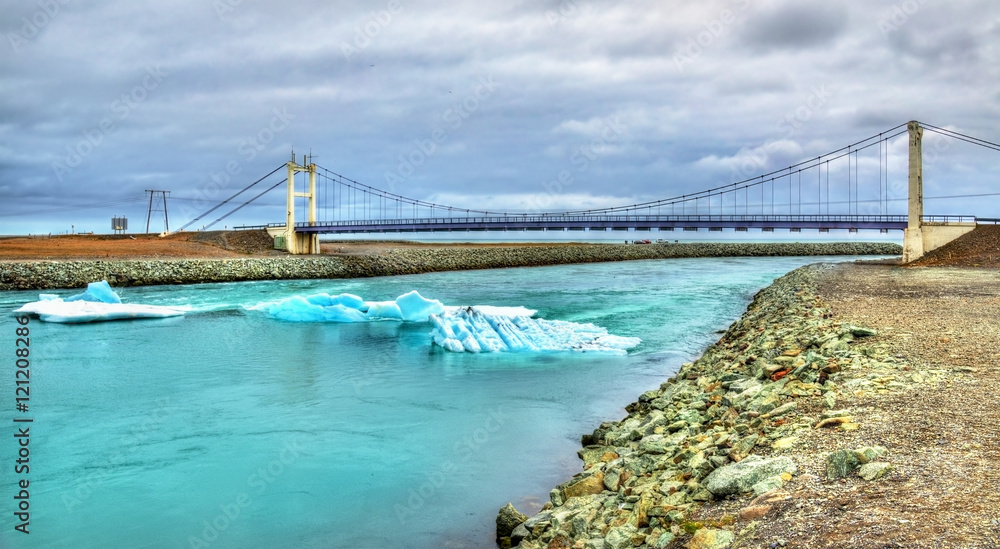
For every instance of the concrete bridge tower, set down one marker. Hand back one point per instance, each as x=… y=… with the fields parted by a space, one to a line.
x=913 y=242
x=295 y=242
x=920 y=236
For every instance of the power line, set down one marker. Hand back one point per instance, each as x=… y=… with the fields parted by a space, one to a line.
x=61 y=209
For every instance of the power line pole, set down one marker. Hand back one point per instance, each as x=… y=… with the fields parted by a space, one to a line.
x=149 y=213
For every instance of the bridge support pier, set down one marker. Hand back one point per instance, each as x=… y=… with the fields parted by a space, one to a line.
x=921 y=237
x=913 y=241
x=296 y=242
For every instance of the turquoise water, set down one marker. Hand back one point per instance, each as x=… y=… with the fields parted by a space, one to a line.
x=225 y=428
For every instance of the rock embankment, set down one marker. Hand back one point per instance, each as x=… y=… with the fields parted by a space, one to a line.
x=722 y=427
x=24 y=275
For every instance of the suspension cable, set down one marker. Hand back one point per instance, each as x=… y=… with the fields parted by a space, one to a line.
x=224 y=202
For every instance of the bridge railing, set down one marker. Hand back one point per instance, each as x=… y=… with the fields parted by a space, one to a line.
x=952 y=219
x=651 y=219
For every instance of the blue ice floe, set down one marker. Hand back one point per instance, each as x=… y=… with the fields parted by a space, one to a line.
x=350 y=308
x=480 y=328
x=472 y=330
x=98 y=303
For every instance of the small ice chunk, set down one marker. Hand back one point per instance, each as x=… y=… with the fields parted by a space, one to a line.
x=97 y=291
x=415 y=308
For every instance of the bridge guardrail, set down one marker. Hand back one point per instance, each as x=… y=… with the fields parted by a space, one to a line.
x=651 y=219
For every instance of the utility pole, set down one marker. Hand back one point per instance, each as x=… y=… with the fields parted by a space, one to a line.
x=149 y=213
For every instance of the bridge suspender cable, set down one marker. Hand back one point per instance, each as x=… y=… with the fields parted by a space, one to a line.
x=224 y=202
x=962 y=137
x=241 y=206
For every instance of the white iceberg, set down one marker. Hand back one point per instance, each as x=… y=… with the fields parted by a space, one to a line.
x=470 y=329
x=410 y=306
x=479 y=328
x=98 y=303
x=96 y=291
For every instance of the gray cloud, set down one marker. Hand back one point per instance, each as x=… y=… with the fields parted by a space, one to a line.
x=795 y=25
x=692 y=84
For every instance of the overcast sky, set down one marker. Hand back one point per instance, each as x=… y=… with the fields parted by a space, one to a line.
x=489 y=101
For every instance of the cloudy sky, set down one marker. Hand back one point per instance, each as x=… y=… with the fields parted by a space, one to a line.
x=476 y=104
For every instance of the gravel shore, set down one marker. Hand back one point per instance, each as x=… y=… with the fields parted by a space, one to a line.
x=49 y=274
x=851 y=406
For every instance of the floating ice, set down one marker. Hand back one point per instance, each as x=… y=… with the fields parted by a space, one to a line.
x=481 y=328
x=414 y=307
x=351 y=308
x=98 y=303
x=96 y=291
x=311 y=309
x=472 y=330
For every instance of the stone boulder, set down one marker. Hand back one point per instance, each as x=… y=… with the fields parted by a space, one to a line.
x=711 y=538
x=842 y=462
x=508 y=519
x=741 y=477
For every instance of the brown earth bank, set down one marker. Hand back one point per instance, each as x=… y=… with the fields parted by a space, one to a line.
x=208 y=244
x=141 y=246
x=979 y=248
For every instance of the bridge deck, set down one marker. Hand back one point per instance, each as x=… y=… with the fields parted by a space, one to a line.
x=613 y=222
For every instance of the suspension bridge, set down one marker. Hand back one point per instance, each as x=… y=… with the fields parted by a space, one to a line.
x=821 y=193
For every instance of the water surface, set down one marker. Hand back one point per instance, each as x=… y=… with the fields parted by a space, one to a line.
x=225 y=428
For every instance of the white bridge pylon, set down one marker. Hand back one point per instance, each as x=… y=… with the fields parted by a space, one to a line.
x=301 y=243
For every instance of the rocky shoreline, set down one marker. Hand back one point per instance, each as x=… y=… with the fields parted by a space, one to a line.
x=721 y=428
x=50 y=274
